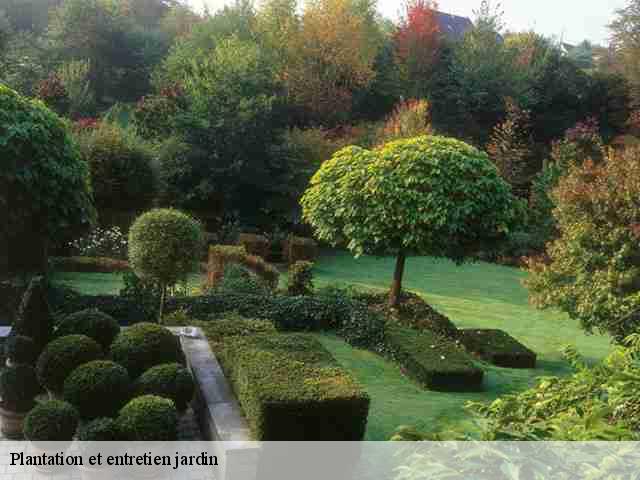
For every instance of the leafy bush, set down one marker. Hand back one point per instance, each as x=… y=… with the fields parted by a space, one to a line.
x=120 y=164
x=497 y=347
x=364 y=328
x=49 y=194
x=221 y=255
x=289 y=385
x=99 y=430
x=238 y=279
x=62 y=356
x=51 y=421
x=148 y=418
x=127 y=311
x=300 y=280
x=300 y=249
x=34 y=319
x=254 y=244
x=52 y=92
x=92 y=323
x=145 y=294
x=164 y=247
x=233 y=325
x=434 y=362
x=18 y=388
x=101 y=242
x=98 y=389
x=597 y=402
x=171 y=381
x=21 y=349
x=155 y=115
x=593 y=270
x=143 y=346
x=410 y=118
x=74 y=77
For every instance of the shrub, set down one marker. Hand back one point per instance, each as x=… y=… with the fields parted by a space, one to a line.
x=101 y=242
x=143 y=346
x=148 y=418
x=255 y=244
x=98 y=389
x=301 y=314
x=299 y=249
x=410 y=118
x=44 y=178
x=18 y=388
x=171 y=381
x=92 y=323
x=34 y=318
x=238 y=279
x=233 y=325
x=120 y=164
x=88 y=265
x=21 y=349
x=99 y=430
x=434 y=362
x=289 y=385
x=145 y=294
x=364 y=328
x=51 y=421
x=300 y=280
x=126 y=311
x=497 y=347
x=52 y=92
x=593 y=269
x=155 y=114
x=164 y=247
x=62 y=356
x=221 y=255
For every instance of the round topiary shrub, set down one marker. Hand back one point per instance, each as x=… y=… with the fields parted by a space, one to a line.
x=51 y=421
x=62 y=356
x=18 y=388
x=44 y=178
x=98 y=389
x=171 y=381
x=143 y=346
x=21 y=349
x=165 y=246
x=149 y=418
x=93 y=323
x=99 y=430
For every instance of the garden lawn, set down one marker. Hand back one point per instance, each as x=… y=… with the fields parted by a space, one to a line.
x=474 y=296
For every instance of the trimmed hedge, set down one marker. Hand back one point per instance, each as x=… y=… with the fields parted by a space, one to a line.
x=297 y=249
x=93 y=323
x=88 y=264
x=51 y=421
x=291 y=388
x=143 y=346
x=126 y=311
x=148 y=418
x=258 y=245
x=99 y=430
x=233 y=325
x=498 y=347
x=433 y=361
x=98 y=389
x=62 y=356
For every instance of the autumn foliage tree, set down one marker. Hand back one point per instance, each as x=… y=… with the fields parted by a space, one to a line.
x=417 y=43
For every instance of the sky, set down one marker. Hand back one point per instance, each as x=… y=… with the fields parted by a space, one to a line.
x=570 y=20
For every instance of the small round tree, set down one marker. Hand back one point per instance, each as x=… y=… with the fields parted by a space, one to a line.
x=165 y=246
x=44 y=184
x=427 y=195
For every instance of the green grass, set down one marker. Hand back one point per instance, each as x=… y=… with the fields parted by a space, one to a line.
x=473 y=296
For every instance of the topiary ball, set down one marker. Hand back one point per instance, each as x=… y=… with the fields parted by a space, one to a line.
x=93 y=323
x=171 y=381
x=99 y=430
x=149 y=418
x=62 y=356
x=21 y=349
x=98 y=389
x=143 y=346
x=18 y=388
x=51 y=421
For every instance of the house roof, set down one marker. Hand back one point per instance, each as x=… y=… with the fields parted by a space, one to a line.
x=453 y=26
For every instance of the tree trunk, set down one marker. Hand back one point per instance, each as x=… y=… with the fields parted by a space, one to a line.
x=396 y=286
x=163 y=296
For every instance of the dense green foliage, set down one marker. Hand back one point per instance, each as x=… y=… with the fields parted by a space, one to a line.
x=99 y=430
x=98 y=389
x=19 y=387
x=51 y=421
x=34 y=318
x=300 y=278
x=62 y=356
x=46 y=189
x=93 y=323
x=288 y=385
x=143 y=346
x=594 y=268
x=170 y=380
x=497 y=347
x=21 y=349
x=148 y=418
